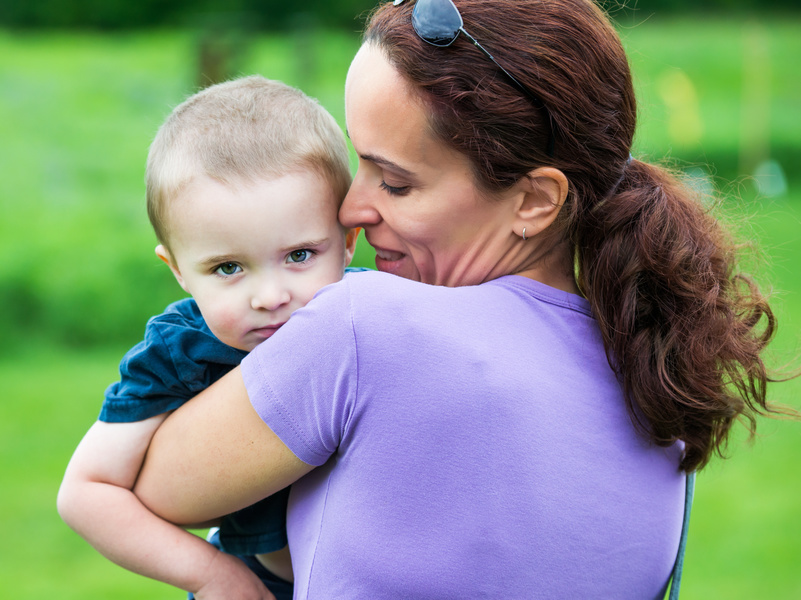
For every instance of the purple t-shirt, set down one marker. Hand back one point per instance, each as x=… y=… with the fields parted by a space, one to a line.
x=472 y=442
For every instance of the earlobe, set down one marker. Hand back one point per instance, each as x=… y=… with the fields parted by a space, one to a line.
x=544 y=193
x=165 y=255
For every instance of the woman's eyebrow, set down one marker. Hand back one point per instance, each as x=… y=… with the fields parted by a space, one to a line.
x=383 y=162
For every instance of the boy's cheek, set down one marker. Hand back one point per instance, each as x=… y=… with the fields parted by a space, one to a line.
x=218 y=314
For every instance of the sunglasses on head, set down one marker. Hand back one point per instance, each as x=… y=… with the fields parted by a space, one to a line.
x=439 y=23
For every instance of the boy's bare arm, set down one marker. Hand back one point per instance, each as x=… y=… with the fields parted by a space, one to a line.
x=96 y=500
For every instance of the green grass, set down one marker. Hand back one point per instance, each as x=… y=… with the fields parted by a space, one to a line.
x=50 y=399
x=79 y=111
x=745 y=531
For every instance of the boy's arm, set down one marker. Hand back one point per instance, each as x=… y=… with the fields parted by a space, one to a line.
x=96 y=500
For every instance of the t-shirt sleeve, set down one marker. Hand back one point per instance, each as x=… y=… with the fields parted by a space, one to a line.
x=303 y=381
x=178 y=358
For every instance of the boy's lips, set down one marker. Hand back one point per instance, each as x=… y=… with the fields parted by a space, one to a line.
x=268 y=330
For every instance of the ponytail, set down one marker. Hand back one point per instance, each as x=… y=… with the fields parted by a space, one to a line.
x=683 y=329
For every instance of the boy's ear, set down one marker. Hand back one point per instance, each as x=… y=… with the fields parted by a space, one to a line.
x=544 y=193
x=165 y=255
x=350 y=243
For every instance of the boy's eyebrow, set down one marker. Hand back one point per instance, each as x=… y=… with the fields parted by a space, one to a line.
x=212 y=261
x=301 y=245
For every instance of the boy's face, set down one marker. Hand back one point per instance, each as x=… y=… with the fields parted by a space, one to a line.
x=253 y=253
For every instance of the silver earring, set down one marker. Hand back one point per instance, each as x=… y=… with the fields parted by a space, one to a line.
x=524 y=234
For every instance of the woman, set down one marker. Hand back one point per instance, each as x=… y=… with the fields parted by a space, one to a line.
x=558 y=333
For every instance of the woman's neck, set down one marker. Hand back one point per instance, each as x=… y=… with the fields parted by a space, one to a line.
x=554 y=268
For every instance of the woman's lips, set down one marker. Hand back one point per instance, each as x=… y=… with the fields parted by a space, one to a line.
x=388 y=255
x=388 y=261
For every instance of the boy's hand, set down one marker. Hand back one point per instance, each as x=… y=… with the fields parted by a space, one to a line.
x=230 y=579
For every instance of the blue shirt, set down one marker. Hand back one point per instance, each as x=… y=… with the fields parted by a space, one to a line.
x=178 y=358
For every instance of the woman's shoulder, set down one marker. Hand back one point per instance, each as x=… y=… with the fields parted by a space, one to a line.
x=378 y=289
x=370 y=279
x=376 y=286
x=371 y=299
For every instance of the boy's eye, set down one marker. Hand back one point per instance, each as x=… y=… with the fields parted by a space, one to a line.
x=228 y=269
x=298 y=256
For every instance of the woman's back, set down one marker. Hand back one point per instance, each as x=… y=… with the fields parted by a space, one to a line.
x=480 y=447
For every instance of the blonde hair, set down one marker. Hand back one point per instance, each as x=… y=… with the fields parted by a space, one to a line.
x=238 y=131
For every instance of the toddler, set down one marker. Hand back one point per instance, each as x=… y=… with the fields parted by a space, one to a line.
x=244 y=182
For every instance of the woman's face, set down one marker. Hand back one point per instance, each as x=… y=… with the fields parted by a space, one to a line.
x=416 y=198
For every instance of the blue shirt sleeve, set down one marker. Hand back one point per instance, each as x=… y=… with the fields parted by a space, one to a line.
x=178 y=358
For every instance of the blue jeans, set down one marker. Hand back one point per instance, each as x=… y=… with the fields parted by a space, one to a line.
x=281 y=588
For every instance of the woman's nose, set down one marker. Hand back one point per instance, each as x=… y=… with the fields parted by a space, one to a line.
x=269 y=295
x=358 y=209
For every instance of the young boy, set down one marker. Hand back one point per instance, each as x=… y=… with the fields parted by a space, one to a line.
x=244 y=182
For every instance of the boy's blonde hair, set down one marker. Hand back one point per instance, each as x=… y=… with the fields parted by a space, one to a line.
x=239 y=131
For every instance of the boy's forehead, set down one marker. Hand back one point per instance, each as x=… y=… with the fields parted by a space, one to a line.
x=238 y=184
x=279 y=207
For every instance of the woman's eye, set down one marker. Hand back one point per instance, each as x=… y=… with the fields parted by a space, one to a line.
x=395 y=191
x=228 y=269
x=299 y=256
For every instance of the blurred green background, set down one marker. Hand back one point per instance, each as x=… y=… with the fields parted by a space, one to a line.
x=84 y=85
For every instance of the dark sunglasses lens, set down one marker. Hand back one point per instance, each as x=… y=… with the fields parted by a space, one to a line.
x=436 y=21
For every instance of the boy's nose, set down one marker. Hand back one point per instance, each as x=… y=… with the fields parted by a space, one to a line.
x=269 y=295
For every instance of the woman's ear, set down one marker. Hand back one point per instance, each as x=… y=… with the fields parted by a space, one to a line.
x=544 y=193
x=165 y=255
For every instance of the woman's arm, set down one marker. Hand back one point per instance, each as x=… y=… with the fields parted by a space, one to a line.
x=214 y=455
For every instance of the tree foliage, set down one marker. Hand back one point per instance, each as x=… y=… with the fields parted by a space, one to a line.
x=275 y=14
x=124 y=14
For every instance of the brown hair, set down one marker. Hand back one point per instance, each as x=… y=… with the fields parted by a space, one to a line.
x=682 y=328
x=241 y=130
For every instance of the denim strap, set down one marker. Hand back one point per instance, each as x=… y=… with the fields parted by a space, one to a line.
x=675 y=579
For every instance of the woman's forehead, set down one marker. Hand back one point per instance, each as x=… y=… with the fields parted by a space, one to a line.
x=384 y=117
x=372 y=79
